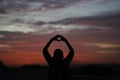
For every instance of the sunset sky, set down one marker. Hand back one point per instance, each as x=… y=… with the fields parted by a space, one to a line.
x=91 y=26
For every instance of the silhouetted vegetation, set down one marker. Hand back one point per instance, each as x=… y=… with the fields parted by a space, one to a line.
x=26 y=72
x=98 y=69
x=77 y=72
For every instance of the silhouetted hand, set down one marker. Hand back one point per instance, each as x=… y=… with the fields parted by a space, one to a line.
x=62 y=38
x=54 y=38
x=58 y=38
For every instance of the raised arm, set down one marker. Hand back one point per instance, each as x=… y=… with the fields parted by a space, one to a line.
x=45 y=49
x=70 y=55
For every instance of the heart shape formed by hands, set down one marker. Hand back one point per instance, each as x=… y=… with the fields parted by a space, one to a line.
x=58 y=39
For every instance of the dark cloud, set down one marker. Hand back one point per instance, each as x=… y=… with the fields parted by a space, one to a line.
x=18 y=5
x=9 y=36
x=106 y=18
x=2 y=11
x=39 y=23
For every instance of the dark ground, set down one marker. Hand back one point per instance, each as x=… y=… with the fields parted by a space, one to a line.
x=77 y=72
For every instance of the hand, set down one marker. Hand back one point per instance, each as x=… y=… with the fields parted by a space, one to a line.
x=54 y=38
x=62 y=38
x=58 y=38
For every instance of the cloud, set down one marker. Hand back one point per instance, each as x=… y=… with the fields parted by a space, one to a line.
x=60 y=28
x=4 y=46
x=2 y=36
x=75 y=15
x=107 y=19
x=76 y=9
x=16 y=28
x=44 y=28
x=36 y=5
x=103 y=45
x=2 y=11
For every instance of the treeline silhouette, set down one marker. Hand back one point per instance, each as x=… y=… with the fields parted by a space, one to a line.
x=97 y=69
x=37 y=72
x=26 y=72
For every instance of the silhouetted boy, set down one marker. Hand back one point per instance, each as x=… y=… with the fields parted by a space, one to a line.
x=58 y=66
